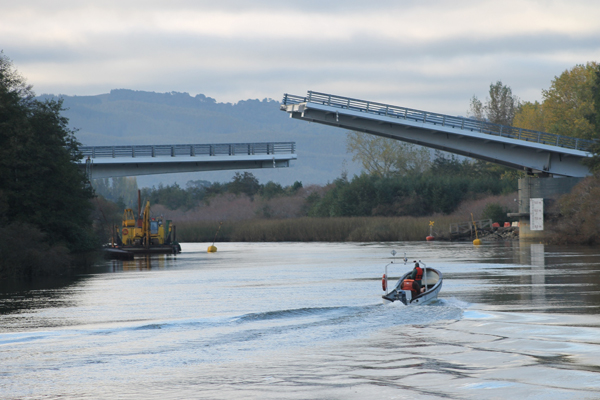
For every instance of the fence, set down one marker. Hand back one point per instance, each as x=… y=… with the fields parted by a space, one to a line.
x=190 y=150
x=462 y=228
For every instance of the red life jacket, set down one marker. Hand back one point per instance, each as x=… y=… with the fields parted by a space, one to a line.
x=407 y=284
x=419 y=273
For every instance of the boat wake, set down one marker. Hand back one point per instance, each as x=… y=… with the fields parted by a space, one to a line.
x=227 y=338
x=292 y=313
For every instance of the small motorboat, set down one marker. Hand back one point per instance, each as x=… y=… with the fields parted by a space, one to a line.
x=431 y=281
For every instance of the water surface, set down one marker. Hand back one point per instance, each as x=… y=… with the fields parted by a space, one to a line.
x=305 y=320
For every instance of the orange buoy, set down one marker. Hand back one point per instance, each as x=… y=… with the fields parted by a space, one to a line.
x=384 y=282
x=429 y=238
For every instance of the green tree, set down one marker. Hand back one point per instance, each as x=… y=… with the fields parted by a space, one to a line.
x=445 y=164
x=414 y=195
x=531 y=116
x=215 y=189
x=594 y=116
x=496 y=213
x=568 y=107
x=40 y=182
x=499 y=108
x=569 y=102
x=171 y=196
x=594 y=162
x=291 y=190
x=386 y=157
x=271 y=189
x=244 y=183
x=449 y=164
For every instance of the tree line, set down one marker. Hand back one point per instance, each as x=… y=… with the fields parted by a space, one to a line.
x=404 y=178
x=199 y=192
x=569 y=107
x=440 y=189
x=45 y=208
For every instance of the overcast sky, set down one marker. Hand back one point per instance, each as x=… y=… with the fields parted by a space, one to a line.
x=432 y=55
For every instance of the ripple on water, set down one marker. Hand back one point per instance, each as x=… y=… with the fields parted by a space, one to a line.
x=305 y=321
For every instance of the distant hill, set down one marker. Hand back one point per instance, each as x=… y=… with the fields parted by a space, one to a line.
x=126 y=117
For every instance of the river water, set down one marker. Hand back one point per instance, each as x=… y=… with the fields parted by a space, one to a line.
x=306 y=321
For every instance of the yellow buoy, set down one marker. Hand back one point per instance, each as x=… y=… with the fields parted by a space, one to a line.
x=212 y=248
x=477 y=242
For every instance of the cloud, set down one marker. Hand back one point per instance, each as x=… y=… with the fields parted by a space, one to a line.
x=427 y=54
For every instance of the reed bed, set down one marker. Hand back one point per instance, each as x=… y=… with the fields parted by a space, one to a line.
x=306 y=229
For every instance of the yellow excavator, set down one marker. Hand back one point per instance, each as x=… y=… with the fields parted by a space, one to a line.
x=146 y=234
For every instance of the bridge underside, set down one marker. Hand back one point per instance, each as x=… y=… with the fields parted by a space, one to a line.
x=119 y=161
x=533 y=157
x=152 y=167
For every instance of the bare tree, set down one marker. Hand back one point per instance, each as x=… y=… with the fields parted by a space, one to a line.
x=386 y=157
x=476 y=109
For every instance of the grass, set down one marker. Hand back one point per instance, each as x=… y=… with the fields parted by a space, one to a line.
x=355 y=229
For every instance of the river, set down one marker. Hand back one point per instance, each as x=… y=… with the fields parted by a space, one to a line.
x=306 y=321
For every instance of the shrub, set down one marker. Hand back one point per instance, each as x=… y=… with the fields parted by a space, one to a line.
x=579 y=220
x=496 y=213
x=26 y=254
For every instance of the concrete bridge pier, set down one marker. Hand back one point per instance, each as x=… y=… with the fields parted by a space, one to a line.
x=549 y=189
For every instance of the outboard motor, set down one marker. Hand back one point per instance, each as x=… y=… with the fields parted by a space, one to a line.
x=407 y=288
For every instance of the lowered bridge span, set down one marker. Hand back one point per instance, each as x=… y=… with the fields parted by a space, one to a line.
x=535 y=152
x=118 y=161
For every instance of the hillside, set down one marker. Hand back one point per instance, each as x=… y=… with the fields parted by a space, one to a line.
x=125 y=117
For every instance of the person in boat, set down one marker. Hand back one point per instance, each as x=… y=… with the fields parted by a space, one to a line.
x=417 y=276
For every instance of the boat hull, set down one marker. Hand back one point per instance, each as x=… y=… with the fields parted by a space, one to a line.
x=128 y=252
x=433 y=283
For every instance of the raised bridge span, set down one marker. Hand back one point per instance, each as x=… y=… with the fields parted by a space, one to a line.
x=535 y=152
x=118 y=161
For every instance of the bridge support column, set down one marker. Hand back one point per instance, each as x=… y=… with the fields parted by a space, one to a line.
x=549 y=189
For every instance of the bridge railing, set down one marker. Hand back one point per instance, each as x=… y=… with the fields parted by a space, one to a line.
x=189 y=150
x=293 y=99
x=425 y=117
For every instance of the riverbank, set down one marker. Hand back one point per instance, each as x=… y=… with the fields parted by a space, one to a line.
x=307 y=229
x=487 y=235
x=25 y=254
x=342 y=229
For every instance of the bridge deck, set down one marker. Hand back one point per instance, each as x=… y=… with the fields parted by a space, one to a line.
x=115 y=161
x=191 y=150
x=437 y=120
x=532 y=151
